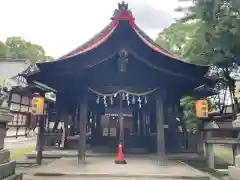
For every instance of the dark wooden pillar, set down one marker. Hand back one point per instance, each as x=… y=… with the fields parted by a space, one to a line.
x=121 y=122
x=78 y=118
x=40 y=140
x=67 y=119
x=72 y=124
x=82 y=127
x=40 y=136
x=160 y=128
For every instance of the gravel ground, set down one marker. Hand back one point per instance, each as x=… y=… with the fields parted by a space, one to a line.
x=13 y=143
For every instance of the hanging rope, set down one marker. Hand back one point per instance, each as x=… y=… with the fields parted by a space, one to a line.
x=122 y=91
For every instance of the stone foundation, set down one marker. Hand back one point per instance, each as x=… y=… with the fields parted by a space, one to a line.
x=7 y=167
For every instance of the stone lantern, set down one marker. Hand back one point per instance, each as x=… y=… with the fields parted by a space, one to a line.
x=5 y=117
x=7 y=166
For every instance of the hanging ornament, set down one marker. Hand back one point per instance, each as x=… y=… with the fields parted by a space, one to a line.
x=145 y=99
x=105 y=101
x=139 y=102
x=127 y=96
x=111 y=100
x=98 y=100
x=139 y=99
x=123 y=96
x=133 y=100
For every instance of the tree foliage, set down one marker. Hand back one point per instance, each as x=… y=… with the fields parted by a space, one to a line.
x=207 y=34
x=17 y=47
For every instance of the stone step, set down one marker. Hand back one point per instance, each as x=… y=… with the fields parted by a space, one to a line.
x=14 y=177
x=30 y=163
x=68 y=175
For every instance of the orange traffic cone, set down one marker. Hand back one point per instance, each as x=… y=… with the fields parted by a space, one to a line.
x=120 y=158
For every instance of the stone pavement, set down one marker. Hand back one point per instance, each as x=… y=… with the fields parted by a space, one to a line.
x=94 y=178
x=137 y=167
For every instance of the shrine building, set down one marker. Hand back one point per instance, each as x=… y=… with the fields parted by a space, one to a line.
x=120 y=86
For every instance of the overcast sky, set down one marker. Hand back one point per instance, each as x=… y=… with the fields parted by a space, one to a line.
x=62 y=25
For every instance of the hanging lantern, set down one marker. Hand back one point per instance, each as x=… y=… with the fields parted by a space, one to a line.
x=37 y=105
x=201 y=108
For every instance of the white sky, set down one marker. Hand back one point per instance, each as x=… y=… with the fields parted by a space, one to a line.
x=62 y=25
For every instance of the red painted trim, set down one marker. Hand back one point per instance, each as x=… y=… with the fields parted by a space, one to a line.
x=92 y=46
x=123 y=16
x=127 y=16
x=153 y=46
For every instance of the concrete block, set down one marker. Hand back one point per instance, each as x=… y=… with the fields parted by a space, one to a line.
x=2 y=135
x=7 y=169
x=237 y=161
x=234 y=172
x=236 y=123
x=4 y=156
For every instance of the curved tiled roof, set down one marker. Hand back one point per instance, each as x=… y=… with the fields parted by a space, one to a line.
x=90 y=42
x=122 y=13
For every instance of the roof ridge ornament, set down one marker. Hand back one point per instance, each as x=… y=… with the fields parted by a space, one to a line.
x=122 y=6
x=123 y=13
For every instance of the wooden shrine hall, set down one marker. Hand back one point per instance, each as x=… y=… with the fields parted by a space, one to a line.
x=120 y=86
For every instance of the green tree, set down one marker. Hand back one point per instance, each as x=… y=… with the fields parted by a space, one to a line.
x=212 y=39
x=4 y=50
x=17 y=47
x=217 y=35
x=175 y=37
x=188 y=112
x=216 y=41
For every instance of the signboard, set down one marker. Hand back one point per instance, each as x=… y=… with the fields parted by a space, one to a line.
x=37 y=105
x=201 y=108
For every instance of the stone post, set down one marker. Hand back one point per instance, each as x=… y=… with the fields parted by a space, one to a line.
x=7 y=166
x=209 y=153
x=234 y=171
